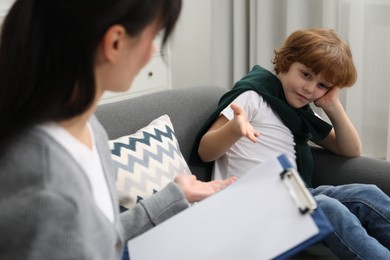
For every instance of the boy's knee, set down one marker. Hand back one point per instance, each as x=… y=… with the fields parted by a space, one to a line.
x=364 y=191
x=371 y=188
x=330 y=205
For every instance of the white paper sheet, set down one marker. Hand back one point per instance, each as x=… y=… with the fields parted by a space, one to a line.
x=255 y=218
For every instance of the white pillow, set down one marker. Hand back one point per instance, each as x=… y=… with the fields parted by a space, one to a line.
x=146 y=161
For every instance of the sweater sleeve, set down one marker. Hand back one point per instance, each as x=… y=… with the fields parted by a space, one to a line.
x=153 y=210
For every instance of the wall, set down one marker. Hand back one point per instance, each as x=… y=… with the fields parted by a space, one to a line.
x=4 y=7
x=190 y=45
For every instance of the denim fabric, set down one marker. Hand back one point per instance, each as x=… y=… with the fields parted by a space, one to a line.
x=360 y=215
x=125 y=255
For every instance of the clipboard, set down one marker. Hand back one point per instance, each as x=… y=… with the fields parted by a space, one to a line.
x=306 y=204
x=267 y=214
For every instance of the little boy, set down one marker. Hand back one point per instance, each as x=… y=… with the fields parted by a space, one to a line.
x=273 y=113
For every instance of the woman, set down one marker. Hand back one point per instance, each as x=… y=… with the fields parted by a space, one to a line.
x=57 y=57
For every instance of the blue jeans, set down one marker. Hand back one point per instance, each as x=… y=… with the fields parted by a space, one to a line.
x=360 y=215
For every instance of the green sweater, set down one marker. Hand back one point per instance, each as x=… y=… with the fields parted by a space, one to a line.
x=302 y=122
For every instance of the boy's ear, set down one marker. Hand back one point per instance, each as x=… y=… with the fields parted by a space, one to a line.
x=113 y=42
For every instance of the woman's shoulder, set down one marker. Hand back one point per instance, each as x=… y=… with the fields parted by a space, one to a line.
x=35 y=161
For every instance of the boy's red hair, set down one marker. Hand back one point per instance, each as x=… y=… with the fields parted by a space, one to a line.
x=322 y=51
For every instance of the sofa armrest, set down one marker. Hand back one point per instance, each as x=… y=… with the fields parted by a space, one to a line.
x=332 y=169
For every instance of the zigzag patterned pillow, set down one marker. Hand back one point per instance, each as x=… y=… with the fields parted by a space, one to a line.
x=146 y=161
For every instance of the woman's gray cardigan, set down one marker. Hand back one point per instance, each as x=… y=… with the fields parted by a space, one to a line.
x=47 y=210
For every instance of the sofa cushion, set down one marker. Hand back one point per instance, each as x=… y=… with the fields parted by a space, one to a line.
x=146 y=161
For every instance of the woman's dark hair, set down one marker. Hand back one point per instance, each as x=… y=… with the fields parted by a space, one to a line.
x=47 y=50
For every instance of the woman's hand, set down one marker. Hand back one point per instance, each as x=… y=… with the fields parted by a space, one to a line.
x=195 y=190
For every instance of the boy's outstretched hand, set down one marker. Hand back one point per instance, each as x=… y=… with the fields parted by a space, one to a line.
x=242 y=121
x=195 y=190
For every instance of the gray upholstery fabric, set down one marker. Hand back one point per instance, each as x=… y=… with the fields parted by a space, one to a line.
x=335 y=170
x=189 y=107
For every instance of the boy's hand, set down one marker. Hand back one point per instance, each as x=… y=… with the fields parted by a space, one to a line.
x=242 y=122
x=329 y=99
x=195 y=190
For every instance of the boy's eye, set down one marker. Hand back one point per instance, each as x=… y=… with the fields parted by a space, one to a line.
x=306 y=74
x=324 y=86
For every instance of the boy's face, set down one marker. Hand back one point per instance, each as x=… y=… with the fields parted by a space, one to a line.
x=301 y=86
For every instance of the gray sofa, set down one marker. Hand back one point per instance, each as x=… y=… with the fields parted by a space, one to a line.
x=189 y=107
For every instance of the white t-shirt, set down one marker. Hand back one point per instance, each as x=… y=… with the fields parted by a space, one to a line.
x=275 y=138
x=89 y=161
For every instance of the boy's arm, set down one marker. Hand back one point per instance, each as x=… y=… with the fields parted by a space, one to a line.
x=343 y=139
x=224 y=133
